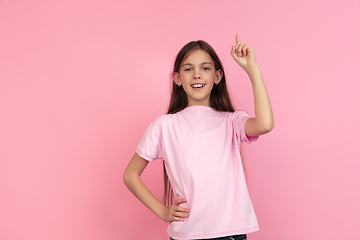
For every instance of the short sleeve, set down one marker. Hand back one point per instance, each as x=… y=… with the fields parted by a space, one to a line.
x=149 y=146
x=240 y=118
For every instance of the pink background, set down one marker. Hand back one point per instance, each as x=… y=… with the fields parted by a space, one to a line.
x=81 y=80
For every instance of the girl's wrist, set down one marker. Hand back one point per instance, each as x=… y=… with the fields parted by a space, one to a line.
x=254 y=73
x=253 y=70
x=162 y=212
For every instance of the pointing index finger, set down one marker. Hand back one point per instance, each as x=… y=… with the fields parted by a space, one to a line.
x=237 y=38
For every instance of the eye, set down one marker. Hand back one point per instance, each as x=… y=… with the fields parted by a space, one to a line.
x=187 y=69
x=206 y=68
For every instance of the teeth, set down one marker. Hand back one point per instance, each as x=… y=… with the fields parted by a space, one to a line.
x=197 y=85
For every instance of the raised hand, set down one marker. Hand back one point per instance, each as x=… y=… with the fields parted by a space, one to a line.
x=243 y=54
x=175 y=212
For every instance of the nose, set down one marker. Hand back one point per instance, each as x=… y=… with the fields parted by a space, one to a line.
x=197 y=74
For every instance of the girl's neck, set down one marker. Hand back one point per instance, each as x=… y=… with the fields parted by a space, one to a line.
x=205 y=103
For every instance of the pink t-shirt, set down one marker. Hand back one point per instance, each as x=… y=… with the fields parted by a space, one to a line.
x=200 y=148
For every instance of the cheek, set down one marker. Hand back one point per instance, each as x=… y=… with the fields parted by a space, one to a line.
x=184 y=78
x=213 y=76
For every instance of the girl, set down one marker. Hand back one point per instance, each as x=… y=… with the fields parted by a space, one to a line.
x=199 y=141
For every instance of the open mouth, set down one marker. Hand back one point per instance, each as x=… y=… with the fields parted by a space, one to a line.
x=197 y=85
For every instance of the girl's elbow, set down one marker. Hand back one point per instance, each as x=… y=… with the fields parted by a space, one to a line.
x=270 y=126
x=127 y=178
x=266 y=128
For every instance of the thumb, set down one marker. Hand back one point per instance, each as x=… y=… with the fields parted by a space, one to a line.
x=180 y=201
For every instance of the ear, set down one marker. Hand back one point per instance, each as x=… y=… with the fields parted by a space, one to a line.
x=218 y=76
x=176 y=78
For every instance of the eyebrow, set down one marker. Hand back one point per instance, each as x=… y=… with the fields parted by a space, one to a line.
x=190 y=64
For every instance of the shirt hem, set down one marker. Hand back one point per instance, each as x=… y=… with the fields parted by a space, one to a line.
x=144 y=156
x=213 y=235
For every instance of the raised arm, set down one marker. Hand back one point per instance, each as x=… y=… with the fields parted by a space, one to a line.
x=263 y=122
x=137 y=187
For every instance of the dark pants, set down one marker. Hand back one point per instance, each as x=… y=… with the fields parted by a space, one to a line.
x=235 y=237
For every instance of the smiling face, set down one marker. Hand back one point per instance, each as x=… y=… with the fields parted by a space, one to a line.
x=197 y=75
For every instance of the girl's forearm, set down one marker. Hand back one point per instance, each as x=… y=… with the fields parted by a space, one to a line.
x=133 y=182
x=138 y=188
x=264 y=120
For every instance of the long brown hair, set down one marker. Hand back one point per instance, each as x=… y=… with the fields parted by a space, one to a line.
x=219 y=96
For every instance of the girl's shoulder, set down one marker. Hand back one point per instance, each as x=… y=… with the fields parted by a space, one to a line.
x=239 y=113
x=235 y=114
x=162 y=119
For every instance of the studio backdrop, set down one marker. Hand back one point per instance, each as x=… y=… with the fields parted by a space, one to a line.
x=81 y=80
